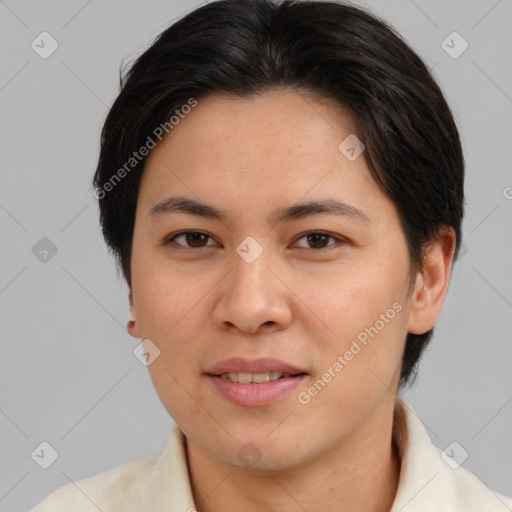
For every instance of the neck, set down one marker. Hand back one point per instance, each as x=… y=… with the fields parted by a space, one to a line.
x=360 y=473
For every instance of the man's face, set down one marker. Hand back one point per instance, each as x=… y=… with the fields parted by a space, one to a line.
x=324 y=292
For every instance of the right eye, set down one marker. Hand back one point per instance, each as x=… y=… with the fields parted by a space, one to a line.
x=195 y=238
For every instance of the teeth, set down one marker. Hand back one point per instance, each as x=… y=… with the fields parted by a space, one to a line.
x=257 y=378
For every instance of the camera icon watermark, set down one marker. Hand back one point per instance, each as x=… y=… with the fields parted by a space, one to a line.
x=454 y=455
x=44 y=250
x=146 y=352
x=454 y=45
x=249 y=249
x=249 y=455
x=351 y=147
x=44 y=45
x=463 y=250
x=44 y=455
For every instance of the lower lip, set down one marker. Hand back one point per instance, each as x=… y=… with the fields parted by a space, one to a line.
x=255 y=394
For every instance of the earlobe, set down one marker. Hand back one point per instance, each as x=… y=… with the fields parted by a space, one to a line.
x=432 y=282
x=132 y=326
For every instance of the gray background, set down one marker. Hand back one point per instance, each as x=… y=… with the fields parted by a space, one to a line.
x=68 y=375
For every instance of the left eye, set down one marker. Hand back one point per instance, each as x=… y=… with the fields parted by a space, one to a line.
x=318 y=238
x=196 y=239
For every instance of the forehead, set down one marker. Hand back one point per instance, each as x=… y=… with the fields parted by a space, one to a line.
x=269 y=118
x=279 y=125
x=279 y=146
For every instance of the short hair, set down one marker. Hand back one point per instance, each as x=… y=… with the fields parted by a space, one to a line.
x=323 y=48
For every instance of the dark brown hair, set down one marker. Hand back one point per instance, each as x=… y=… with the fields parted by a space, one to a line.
x=325 y=48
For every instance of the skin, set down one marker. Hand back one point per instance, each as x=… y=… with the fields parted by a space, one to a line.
x=200 y=303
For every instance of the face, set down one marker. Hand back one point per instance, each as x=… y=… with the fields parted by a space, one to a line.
x=325 y=292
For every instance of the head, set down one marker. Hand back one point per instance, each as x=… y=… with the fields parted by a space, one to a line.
x=243 y=110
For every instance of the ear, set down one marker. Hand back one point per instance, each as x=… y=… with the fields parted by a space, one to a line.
x=133 y=328
x=432 y=282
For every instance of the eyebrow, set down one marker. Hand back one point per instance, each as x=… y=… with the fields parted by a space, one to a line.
x=297 y=211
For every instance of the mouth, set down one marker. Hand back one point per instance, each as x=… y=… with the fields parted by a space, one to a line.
x=254 y=382
x=256 y=378
x=255 y=389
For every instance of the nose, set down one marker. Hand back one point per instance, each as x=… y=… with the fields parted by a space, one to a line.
x=253 y=297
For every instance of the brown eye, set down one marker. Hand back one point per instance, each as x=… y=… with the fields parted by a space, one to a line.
x=318 y=240
x=192 y=239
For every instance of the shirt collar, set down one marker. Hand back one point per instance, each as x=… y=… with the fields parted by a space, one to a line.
x=426 y=484
x=418 y=468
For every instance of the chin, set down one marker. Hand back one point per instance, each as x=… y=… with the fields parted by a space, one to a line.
x=259 y=453
x=273 y=462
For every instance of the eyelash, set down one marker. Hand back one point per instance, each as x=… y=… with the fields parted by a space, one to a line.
x=340 y=240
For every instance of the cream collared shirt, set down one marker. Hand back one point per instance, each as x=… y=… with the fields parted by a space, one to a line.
x=428 y=483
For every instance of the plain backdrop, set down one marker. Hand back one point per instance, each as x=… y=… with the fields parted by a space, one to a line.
x=68 y=375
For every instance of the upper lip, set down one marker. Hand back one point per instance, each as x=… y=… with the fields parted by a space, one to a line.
x=261 y=365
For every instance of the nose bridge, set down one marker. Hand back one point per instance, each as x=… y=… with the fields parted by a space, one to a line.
x=252 y=296
x=250 y=273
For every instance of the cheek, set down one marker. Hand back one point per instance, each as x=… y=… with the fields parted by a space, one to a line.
x=169 y=317
x=164 y=298
x=177 y=391
x=360 y=318
x=345 y=301
x=167 y=312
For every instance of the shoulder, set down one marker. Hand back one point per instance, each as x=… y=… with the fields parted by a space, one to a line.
x=471 y=494
x=153 y=483
x=126 y=484
x=432 y=479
